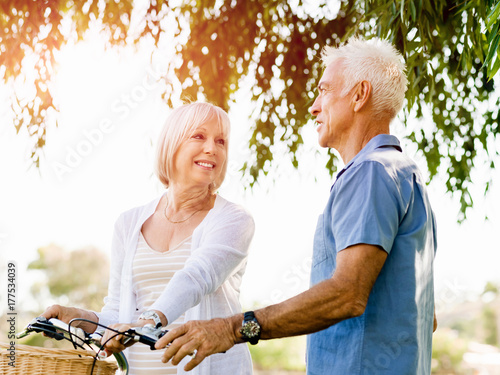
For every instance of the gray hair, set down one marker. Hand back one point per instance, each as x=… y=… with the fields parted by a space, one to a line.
x=376 y=61
x=180 y=125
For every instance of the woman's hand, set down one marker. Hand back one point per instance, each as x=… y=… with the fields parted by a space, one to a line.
x=113 y=342
x=61 y=312
x=66 y=314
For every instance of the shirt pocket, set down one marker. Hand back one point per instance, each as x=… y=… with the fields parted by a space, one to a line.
x=320 y=253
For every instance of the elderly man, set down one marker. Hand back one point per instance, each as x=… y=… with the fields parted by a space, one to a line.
x=370 y=308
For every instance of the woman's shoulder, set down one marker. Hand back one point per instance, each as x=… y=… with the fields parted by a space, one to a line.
x=226 y=212
x=133 y=214
x=226 y=207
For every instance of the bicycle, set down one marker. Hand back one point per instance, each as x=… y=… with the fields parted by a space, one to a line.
x=85 y=345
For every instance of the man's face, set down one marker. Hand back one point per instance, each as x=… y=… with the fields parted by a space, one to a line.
x=333 y=112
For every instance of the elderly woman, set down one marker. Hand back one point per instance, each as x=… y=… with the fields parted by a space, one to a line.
x=182 y=256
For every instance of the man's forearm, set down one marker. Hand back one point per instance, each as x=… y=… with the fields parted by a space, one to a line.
x=343 y=296
x=313 y=310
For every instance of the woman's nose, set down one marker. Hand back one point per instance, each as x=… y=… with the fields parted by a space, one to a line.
x=210 y=146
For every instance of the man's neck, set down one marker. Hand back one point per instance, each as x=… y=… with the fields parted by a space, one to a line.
x=359 y=138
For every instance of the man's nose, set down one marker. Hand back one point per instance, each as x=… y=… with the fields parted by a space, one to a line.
x=316 y=107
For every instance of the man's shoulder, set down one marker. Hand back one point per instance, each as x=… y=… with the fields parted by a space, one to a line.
x=386 y=169
x=393 y=162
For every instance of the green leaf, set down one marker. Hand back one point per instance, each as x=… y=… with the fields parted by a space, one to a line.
x=492 y=51
x=493 y=16
x=393 y=8
x=493 y=33
x=494 y=69
x=419 y=6
x=413 y=11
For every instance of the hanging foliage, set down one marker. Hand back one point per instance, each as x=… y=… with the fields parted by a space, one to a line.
x=451 y=51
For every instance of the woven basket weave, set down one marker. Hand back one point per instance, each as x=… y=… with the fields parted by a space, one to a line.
x=44 y=361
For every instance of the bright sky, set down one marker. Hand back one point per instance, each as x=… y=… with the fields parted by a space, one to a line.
x=98 y=163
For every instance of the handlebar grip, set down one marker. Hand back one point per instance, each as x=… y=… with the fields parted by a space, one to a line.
x=149 y=341
x=42 y=325
x=147 y=335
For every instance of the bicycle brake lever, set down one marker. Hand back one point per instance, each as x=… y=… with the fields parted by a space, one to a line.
x=147 y=335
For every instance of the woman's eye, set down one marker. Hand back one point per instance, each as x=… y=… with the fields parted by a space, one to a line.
x=198 y=136
x=221 y=141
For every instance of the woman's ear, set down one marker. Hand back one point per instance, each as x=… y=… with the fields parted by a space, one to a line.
x=361 y=95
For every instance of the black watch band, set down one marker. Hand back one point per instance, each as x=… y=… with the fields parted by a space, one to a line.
x=250 y=328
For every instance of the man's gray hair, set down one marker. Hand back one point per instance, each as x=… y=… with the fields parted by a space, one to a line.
x=376 y=61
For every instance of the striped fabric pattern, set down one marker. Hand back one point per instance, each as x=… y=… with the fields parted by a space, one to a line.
x=152 y=270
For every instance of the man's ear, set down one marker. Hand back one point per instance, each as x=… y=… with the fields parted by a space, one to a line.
x=361 y=95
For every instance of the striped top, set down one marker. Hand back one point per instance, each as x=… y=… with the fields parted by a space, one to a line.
x=151 y=272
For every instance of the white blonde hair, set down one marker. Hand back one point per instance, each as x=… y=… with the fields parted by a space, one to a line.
x=179 y=126
x=376 y=61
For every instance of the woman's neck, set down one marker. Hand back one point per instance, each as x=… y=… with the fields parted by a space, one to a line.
x=180 y=199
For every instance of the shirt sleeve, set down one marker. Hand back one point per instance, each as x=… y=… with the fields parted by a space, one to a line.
x=223 y=247
x=367 y=207
x=110 y=311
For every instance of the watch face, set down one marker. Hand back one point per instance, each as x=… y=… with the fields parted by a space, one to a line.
x=251 y=329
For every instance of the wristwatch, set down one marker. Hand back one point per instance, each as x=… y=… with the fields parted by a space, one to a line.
x=250 y=328
x=151 y=315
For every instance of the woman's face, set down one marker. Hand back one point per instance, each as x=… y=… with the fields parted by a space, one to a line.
x=200 y=158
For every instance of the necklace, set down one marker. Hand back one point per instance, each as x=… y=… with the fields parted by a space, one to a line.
x=180 y=221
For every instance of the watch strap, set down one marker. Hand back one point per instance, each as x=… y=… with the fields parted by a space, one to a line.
x=151 y=315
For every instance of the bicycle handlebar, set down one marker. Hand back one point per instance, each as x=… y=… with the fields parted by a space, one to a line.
x=148 y=335
x=58 y=330
x=52 y=328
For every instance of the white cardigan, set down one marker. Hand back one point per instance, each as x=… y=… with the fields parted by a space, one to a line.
x=207 y=287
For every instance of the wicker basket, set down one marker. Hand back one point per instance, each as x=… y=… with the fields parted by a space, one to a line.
x=44 y=361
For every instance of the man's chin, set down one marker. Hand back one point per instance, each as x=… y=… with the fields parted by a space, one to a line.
x=321 y=141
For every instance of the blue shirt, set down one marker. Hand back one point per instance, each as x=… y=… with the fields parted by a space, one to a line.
x=379 y=198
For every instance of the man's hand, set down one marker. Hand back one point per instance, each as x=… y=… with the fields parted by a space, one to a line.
x=203 y=338
x=435 y=322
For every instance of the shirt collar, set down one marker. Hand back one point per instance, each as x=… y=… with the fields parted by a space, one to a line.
x=379 y=141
